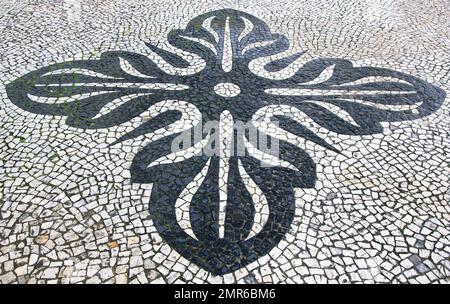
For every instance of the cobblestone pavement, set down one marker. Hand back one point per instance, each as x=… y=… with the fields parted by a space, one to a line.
x=224 y=141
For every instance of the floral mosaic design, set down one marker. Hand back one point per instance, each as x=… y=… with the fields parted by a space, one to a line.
x=226 y=210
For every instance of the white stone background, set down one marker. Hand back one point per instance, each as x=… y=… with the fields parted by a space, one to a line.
x=60 y=216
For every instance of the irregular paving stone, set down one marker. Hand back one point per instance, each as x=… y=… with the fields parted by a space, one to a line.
x=41 y=239
x=113 y=244
x=363 y=115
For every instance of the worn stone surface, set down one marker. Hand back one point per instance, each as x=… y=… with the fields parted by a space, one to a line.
x=359 y=191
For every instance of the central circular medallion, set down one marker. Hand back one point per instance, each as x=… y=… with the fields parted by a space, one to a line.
x=227 y=89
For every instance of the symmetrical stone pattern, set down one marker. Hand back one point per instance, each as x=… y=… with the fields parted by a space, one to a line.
x=378 y=211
